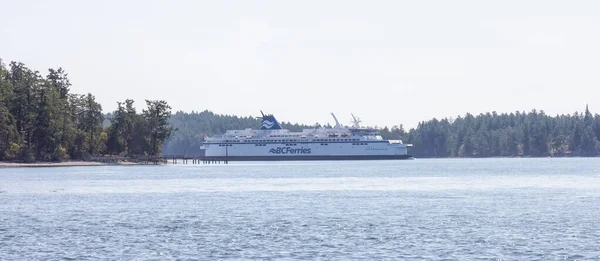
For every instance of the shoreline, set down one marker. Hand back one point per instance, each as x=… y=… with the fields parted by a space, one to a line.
x=63 y=164
x=75 y=163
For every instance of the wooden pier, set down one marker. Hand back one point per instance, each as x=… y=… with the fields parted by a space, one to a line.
x=194 y=159
x=162 y=159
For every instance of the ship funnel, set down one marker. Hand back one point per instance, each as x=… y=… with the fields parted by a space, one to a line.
x=269 y=122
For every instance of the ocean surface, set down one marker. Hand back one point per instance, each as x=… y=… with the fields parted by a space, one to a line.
x=423 y=209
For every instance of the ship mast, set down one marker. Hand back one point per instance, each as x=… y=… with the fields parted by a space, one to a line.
x=355 y=121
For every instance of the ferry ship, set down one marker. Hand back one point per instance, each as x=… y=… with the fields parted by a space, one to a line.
x=271 y=142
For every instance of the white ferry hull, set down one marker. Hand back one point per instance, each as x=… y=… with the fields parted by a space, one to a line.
x=306 y=151
x=299 y=158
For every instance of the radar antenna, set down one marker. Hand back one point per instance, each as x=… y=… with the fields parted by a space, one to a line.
x=337 y=123
x=355 y=121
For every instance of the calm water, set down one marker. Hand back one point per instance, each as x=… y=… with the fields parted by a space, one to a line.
x=486 y=209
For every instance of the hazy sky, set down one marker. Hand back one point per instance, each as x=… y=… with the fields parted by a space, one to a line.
x=389 y=62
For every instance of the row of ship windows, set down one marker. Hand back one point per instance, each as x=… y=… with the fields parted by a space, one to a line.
x=290 y=144
x=324 y=144
x=335 y=140
x=288 y=140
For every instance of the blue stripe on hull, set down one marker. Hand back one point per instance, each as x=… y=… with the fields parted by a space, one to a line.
x=296 y=158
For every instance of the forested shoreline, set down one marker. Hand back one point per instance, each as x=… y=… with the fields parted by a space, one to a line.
x=517 y=134
x=41 y=120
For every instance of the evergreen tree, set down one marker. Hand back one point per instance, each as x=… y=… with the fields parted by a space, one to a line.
x=59 y=81
x=9 y=142
x=89 y=118
x=157 y=116
x=46 y=123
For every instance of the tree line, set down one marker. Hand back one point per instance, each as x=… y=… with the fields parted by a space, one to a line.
x=533 y=134
x=41 y=120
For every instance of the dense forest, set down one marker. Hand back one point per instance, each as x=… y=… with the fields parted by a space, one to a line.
x=532 y=134
x=40 y=120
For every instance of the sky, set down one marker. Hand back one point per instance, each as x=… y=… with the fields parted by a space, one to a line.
x=388 y=62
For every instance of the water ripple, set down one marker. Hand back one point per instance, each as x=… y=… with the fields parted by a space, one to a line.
x=548 y=213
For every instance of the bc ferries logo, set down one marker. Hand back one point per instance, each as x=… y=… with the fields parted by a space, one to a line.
x=267 y=124
x=289 y=150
